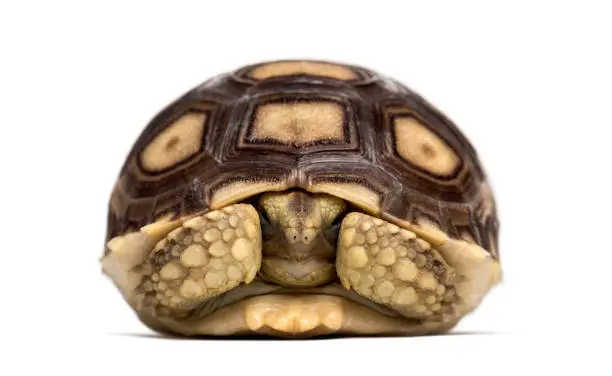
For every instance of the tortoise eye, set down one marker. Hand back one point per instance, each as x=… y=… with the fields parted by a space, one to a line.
x=268 y=230
x=421 y=147
x=333 y=231
x=177 y=143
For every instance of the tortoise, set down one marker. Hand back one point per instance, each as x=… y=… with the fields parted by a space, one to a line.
x=300 y=198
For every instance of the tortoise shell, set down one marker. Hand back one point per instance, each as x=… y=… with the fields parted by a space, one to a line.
x=317 y=126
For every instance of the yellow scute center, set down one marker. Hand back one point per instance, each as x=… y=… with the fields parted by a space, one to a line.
x=299 y=123
x=423 y=148
x=179 y=141
x=312 y=68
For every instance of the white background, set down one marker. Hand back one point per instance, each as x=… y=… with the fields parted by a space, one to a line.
x=529 y=83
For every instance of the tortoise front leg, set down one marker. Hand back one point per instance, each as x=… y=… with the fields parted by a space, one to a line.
x=201 y=259
x=396 y=268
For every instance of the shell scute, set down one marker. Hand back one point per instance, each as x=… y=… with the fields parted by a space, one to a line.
x=317 y=126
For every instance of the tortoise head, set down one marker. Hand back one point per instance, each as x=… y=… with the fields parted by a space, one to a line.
x=300 y=232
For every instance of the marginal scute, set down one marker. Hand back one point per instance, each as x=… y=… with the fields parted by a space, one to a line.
x=177 y=143
x=493 y=243
x=429 y=231
x=311 y=68
x=425 y=230
x=237 y=190
x=487 y=200
x=355 y=193
x=162 y=226
x=420 y=146
x=298 y=123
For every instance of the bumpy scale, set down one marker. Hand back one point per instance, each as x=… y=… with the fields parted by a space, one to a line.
x=394 y=267
x=203 y=258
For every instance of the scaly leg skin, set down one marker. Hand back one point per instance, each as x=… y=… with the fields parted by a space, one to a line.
x=203 y=258
x=402 y=271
